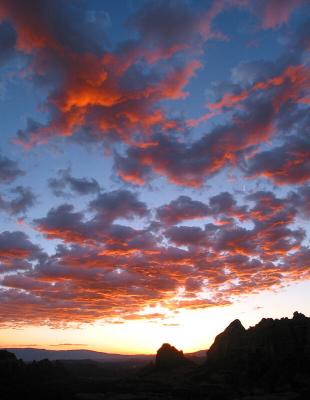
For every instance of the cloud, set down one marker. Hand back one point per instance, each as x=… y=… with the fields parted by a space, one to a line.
x=117 y=96
x=95 y=100
x=23 y=200
x=274 y=13
x=300 y=200
x=258 y=107
x=191 y=164
x=184 y=208
x=118 y=204
x=7 y=42
x=181 y=209
x=170 y=25
x=16 y=243
x=225 y=205
x=266 y=205
x=79 y=186
x=286 y=164
x=90 y=85
x=70 y=344
x=73 y=227
x=293 y=80
x=62 y=222
x=70 y=25
x=17 y=252
x=186 y=235
x=9 y=170
x=113 y=272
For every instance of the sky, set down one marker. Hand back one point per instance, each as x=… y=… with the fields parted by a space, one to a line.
x=154 y=170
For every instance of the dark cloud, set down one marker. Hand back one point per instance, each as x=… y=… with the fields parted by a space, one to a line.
x=181 y=209
x=80 y=186
x=266 y=205
x=168 y=23
x=73 y=227
x=7 y=42
x=9 y=170
x=191 y=164
x=72 y=25
x=225 y=204
x=32 y=128
x=284 y=165
x=17 y=252
x=300 y=200
x=62 y=222
x=23 y=200
x=300 y=40
x=274 y=13
x=118 y=204
x=184 y=208
x=251 y=72
x=186 y=235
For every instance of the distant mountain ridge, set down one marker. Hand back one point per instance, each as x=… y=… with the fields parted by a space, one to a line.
x=33 y=354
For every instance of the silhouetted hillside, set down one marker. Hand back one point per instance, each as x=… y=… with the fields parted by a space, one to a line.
x=43 y=379
x=32 y=354
x=269 y=361
x=6 y=356
x=273 y=354
x=270 y=342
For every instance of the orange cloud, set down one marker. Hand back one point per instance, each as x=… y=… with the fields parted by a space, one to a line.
x=295 y=79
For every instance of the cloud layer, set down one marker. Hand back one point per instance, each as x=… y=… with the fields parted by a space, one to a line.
x=106 y=270
x=145 y=95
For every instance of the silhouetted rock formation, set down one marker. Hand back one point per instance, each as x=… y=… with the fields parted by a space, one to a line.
x=270 y=361
x=36 y=380
x=273 y=352
x=228 y=344
x=7 y=356
x=168 y=357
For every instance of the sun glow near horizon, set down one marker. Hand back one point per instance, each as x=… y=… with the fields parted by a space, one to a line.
x=189 y=331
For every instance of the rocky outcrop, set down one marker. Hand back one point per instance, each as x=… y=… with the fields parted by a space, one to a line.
x=228 y=344
x=168 y=357
x=7 y=356
x=272 y=351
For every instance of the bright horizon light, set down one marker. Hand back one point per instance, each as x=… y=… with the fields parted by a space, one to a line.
x=189 y=331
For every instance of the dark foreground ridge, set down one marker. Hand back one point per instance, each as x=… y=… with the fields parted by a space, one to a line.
x=271 y=344
x=268 y=361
